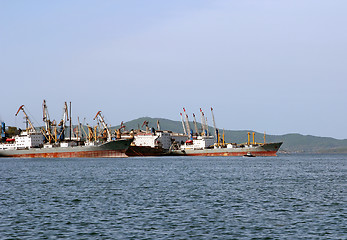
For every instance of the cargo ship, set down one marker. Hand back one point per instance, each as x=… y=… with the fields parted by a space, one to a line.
x=203 y=144
x=155 y=143
x=32 y=146
x=149 y=142
x=50 y=142
x=206 y=146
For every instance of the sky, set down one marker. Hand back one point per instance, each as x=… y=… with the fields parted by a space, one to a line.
x=263 y=65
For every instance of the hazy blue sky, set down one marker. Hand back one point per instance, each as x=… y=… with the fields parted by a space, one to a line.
x=266 y=65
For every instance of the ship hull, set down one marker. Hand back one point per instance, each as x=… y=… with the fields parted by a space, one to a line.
x=265 y=150
x=144 y=151
x=110 y=149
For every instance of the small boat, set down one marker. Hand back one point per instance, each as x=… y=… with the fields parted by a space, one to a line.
x=248 y=155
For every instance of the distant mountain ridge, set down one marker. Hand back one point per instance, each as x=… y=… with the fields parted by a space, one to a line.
x=291 y=142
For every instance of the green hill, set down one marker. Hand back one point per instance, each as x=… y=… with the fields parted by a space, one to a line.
x=291 y=142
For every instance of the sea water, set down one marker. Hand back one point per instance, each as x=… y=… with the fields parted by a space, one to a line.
x=285 y=197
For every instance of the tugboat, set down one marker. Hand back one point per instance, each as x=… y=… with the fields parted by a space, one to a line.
x=248 y=155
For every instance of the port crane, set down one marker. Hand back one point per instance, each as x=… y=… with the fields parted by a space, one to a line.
x=145 y=123
x=63 y=121
x=80 y=129
x=101 y=119
x=187 y=123
x=32 y=128
x=214 y=125
x=195 y=125
x=119 y=130
x=158 y=125
x=91 y=136
x=184 y=128
x=46 y=119
x=47 y=131
x=204 y=123
x=208 y=132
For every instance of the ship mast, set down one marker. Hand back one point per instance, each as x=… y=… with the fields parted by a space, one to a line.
x=70 y=123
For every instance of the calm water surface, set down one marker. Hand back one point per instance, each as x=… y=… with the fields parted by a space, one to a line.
x=285 y=197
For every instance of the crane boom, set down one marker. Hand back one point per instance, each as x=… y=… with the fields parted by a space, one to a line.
x=214 y=125
x=46 y=119
x=184 y=128
x=187 y=123
x=195 y=125
x=158 y=125
x=101 y=118
x=203 y=123
x=27 y=118
x=208 y=133
x=63 y=121
x=48 y=131
x=65 y=115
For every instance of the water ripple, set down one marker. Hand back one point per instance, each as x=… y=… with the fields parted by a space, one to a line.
x=288 y=197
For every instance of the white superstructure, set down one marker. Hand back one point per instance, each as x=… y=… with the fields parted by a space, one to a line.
x=24 y=141
x=200 y=142
x=163 y=139
x=157 y=139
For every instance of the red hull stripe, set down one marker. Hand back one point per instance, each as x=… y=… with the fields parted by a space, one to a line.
x=260 y=154
x=82 y=154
